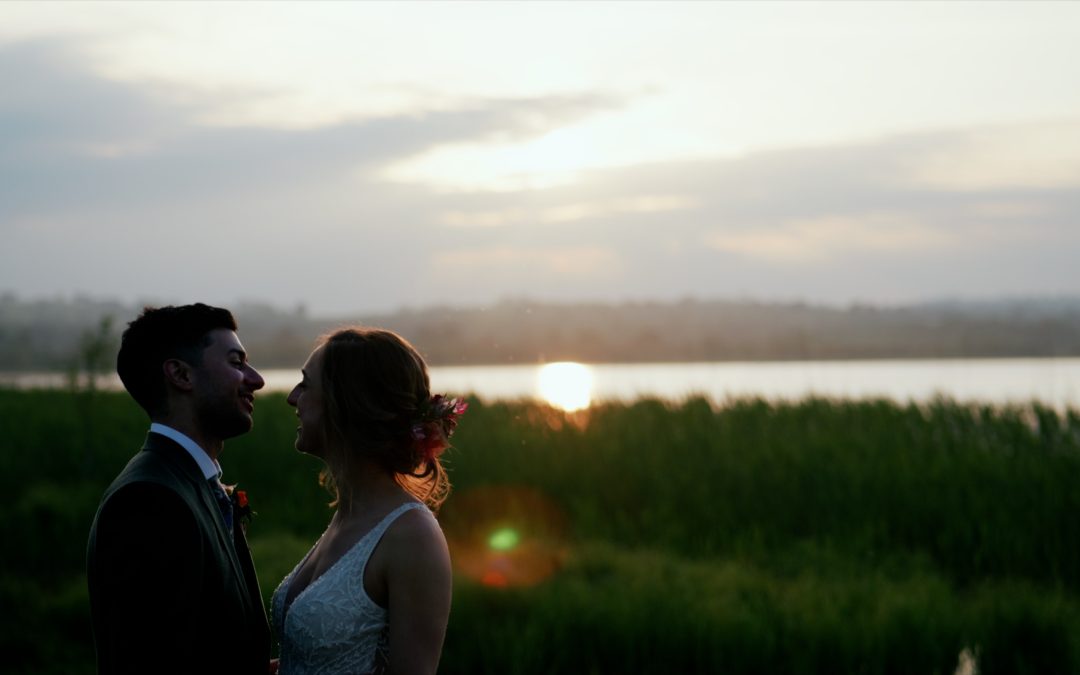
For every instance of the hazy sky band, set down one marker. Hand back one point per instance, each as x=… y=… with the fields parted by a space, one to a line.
x=364 y=156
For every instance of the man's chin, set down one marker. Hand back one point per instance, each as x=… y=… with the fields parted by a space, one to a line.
x=222 y=420
x=235 y=428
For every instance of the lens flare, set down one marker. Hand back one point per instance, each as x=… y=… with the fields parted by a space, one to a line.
x=504 y=539
x=504 y=536
x=494 y=579
x=566 y=384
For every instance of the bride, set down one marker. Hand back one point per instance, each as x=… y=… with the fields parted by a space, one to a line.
x=373 y=594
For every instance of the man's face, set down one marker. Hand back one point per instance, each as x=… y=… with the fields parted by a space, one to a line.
x=225 y=386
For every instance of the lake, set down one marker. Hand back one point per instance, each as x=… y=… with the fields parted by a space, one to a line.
x=1053 y=381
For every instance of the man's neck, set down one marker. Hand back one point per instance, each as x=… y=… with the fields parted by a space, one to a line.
x=211 y=446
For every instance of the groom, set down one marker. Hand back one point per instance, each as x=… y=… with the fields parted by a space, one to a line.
x=172 y=584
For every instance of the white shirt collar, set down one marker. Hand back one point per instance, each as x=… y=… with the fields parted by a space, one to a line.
x=210 y=468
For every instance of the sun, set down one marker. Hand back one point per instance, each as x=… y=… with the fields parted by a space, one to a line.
x=566 y=384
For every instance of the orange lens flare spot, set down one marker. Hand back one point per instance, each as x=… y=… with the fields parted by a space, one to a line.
x=494 y=579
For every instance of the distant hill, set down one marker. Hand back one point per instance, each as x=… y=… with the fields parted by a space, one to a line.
x=45 y=334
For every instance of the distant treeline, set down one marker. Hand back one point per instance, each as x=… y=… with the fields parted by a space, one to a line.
x=48 y=334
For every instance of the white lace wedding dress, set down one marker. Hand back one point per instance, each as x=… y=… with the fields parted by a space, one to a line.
x=332 y=626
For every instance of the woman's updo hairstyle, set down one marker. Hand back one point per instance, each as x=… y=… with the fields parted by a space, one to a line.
x=375 y=393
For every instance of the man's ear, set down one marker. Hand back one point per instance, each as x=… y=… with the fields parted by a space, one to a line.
x=178 y=374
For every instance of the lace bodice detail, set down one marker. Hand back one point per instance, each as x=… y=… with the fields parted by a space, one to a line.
x=332 y=626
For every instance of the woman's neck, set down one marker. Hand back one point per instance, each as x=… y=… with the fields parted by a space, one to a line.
x=367 y=488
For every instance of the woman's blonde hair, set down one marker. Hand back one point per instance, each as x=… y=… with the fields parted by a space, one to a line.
x=375 y=391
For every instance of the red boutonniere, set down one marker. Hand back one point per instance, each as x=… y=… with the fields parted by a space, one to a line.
x=242 y=512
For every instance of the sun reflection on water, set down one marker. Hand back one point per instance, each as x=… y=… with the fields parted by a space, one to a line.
x=566 y=384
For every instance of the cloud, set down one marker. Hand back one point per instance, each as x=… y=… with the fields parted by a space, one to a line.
x=1046 y=155
x=103 y=183
x=832 y=223
x=122 y=190
x=582 y=263
x=822 y=239
x=68 y=131
x=568 y=213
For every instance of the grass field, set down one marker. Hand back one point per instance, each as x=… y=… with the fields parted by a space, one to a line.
x=812 y=537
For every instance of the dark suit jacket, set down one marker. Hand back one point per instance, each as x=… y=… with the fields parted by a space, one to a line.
x=171 y=591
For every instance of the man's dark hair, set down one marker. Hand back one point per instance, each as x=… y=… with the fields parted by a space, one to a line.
x=160 y=334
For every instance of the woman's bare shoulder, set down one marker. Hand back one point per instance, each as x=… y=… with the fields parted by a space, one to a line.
x=415 y=540
x=412 y=555
x=415 y=528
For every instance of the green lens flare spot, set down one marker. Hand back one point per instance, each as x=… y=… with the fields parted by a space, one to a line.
x=504 y=539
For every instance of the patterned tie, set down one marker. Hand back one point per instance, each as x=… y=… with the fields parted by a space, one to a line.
x=224 y=503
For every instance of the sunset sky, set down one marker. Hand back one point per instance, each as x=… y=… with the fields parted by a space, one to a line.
x=368 y=156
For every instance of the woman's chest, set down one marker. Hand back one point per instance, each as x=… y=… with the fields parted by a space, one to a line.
x=332 y=549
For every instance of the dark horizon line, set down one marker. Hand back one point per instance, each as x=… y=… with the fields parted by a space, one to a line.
x=943 y=301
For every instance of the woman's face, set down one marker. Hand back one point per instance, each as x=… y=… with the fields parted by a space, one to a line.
x=307 y=398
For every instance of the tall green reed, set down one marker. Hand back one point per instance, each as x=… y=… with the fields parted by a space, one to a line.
x=813 y=536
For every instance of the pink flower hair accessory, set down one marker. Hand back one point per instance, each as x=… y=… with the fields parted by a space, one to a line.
x=436 y=424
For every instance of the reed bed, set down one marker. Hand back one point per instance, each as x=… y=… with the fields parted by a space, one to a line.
x=816 y=536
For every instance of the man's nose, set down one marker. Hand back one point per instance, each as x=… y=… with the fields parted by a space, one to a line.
x=255 y=380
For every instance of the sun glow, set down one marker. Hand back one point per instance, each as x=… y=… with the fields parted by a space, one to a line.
x=549 y=161
x=566 y=385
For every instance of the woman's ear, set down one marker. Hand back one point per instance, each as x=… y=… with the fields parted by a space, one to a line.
x=178 y=374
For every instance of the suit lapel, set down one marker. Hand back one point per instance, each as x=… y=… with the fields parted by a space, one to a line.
x=224 y=538
x=180 y=458
x=243 y=552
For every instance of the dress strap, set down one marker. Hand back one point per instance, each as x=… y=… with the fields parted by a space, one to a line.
x=377 y=532
x=366 y=546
